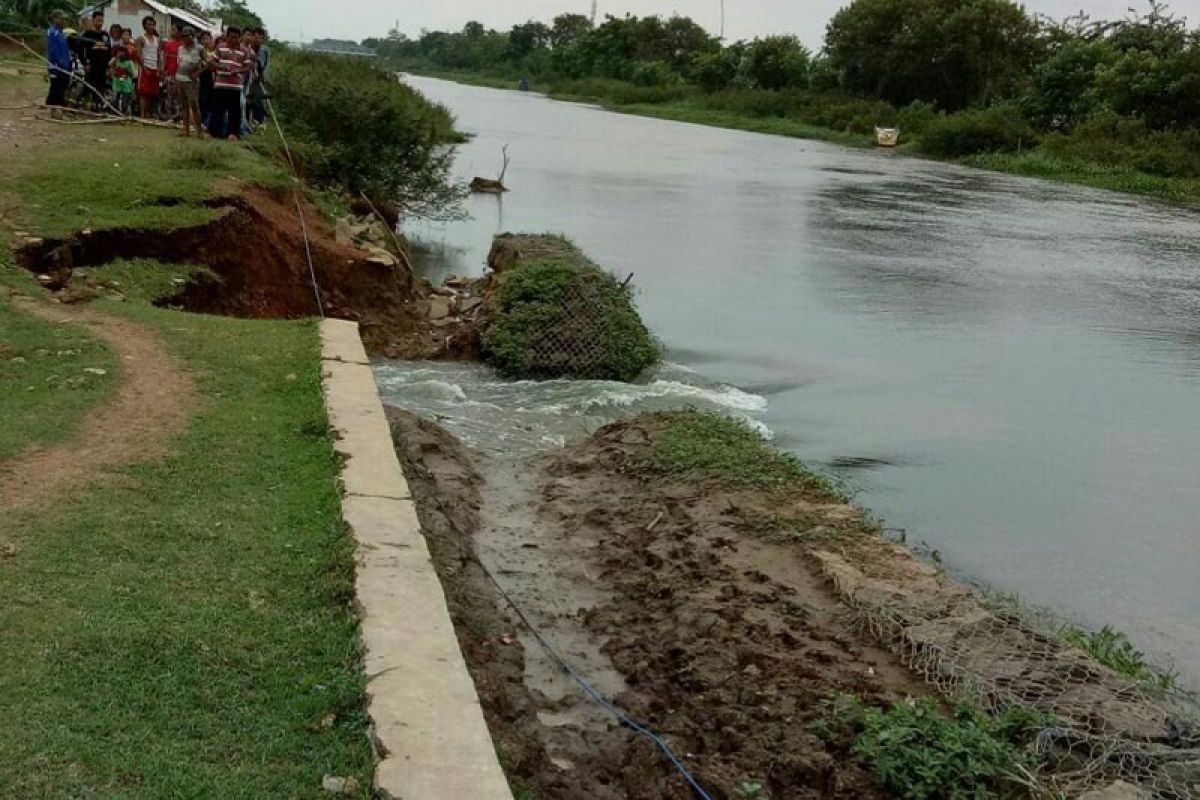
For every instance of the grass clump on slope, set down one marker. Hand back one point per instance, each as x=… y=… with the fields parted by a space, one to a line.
x=566 y=318
x=703 y=444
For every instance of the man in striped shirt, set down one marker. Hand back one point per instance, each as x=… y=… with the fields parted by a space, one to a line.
x=233 y=62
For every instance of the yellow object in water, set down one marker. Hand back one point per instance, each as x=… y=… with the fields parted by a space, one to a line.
x=887 y=137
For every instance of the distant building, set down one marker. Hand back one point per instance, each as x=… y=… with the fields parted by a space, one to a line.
x=130 y=13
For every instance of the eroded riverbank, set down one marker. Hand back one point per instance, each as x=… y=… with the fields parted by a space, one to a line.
x=726 y=598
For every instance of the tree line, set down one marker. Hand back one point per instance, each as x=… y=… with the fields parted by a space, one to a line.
x=961 y=77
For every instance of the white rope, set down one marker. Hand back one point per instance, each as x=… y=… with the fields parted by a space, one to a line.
x=312 y=272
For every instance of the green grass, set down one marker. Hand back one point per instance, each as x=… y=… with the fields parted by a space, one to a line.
x=183 y=628
x=706 y=445
x=142 y=278
x=136 y=177
x=185 y=631
x=44 y=383
x=1036 y=164
x=1113 y=649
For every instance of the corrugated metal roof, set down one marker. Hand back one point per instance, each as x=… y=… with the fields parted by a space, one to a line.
x=195 y=20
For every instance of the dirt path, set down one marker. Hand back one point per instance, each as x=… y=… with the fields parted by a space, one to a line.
x=151 y=406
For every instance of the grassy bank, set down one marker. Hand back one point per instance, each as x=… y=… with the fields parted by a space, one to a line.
x=50 y=375
x=688 y=104
x=181 y=627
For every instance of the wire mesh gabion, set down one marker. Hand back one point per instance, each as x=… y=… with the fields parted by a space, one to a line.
x=1137 y=738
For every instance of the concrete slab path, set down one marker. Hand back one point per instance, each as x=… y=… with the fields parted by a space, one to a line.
x=429 y=730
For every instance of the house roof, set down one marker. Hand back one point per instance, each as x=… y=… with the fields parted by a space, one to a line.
x=195 y=20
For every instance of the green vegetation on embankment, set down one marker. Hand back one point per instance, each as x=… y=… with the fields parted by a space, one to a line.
x=49 y=376
x=555 y=314
x=1110 y=104
x=181 y=625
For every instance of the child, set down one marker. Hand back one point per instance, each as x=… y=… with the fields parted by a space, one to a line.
x=122 y=70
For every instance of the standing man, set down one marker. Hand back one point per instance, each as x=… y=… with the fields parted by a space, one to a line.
x=58 y=57
x=258 y=80
x=233 y=63
x=99 y=52
x=187 y=76
x=149 y=58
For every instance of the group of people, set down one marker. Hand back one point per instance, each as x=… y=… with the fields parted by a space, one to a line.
x=214 y=85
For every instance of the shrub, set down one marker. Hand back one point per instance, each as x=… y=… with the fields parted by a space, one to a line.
x=654 y=73
x=917 y=752
x=916 y=118
x=356 y=126
x=998 y=129
x=555 y=319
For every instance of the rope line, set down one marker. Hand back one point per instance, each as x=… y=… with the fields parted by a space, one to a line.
x=312 y=272
x=595 y=694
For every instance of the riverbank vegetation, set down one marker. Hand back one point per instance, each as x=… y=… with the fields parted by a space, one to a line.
x=1110 y=103
x=357 y=129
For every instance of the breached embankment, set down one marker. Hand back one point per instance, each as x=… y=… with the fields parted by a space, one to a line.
x=726 y=617
x=660 y=595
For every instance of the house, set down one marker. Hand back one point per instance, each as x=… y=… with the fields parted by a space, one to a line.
x=130 y=13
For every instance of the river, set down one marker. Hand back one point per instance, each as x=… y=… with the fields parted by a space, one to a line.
x=1006 y=369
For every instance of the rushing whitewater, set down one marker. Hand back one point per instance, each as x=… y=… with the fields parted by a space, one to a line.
x=515 y=418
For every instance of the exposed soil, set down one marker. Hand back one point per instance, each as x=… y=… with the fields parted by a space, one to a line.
x=724 y=642
x=257 y=249
x=150 y=407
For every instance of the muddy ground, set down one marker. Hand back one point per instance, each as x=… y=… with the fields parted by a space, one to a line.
x=667 y=596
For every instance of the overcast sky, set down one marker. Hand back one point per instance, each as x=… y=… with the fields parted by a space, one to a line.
x=358 y=19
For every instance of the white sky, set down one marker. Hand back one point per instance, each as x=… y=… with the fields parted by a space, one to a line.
x=357 y=19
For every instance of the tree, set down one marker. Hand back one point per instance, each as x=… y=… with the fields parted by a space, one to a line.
x=568 y=29
x=776 y=62
x=474 y=31
x=1064 y=84
x=717 y=69
x=235 y=12
x=524 y=39
x=949 y=52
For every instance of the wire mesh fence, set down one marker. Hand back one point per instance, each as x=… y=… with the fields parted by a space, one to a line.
x=1100 y=727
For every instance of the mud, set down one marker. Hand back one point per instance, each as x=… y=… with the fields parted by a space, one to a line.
x=259 y=252
x=665 y=596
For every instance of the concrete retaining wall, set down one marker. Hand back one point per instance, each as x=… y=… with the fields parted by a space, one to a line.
x=429 y=730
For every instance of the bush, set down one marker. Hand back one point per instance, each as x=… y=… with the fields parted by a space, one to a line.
x=916 y=118
x=999 y=129
x=654 y=74
x=356 y=126
x=555 y=318
x=1112 y=140
x=919 y=753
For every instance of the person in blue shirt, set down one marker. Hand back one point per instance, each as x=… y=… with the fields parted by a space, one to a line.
x=58 y=58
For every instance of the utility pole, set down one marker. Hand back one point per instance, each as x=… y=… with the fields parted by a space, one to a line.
x=722 y=20
x=593 y=13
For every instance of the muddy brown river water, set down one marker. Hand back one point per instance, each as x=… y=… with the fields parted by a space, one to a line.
x=1007 y=369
